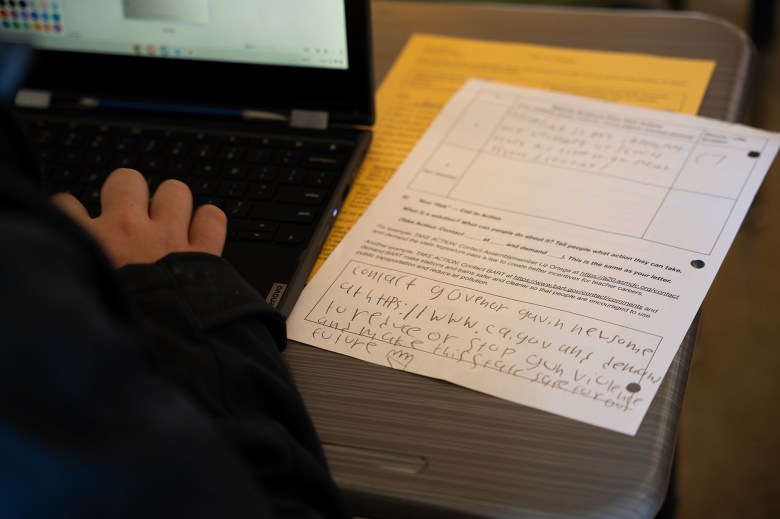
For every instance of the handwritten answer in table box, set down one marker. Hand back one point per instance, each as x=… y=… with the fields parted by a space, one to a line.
x=558 y=135
x=484 y=341
x=720 y=165
x=628 y=176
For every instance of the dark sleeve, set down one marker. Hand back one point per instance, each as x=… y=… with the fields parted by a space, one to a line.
x=220 y=341
x=103 y=413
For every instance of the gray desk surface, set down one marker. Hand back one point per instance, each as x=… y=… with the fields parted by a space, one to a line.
x=402 y=445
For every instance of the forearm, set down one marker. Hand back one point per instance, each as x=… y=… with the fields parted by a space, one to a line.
x=86 y=428
x=220 y=341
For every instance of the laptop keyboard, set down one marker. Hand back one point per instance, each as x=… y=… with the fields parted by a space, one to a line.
x=271 y=187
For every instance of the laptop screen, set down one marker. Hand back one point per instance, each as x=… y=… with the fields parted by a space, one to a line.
x=306 y=33
x=271 y=55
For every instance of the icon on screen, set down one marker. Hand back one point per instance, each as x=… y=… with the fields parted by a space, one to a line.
x=32 y=16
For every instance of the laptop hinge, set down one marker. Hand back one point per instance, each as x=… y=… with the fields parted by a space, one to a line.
x=29 y=98
x=310 y=119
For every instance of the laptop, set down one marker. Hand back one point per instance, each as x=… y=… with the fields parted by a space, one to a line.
x=262 y=108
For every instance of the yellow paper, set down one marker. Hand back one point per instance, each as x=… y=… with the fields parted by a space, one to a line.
x=432 y=68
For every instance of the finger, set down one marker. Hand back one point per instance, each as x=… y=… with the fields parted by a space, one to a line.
x=70 y=205
x=172 y=207
x=124 y=192
x=208 y=229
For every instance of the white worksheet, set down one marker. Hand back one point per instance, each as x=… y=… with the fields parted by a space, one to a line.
x=543 y=248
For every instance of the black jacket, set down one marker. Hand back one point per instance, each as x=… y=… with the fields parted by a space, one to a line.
x=152 y=391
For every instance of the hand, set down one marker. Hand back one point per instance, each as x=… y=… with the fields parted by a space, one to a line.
x=133 y=230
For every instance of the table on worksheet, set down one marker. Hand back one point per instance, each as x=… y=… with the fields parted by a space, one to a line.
x=409 y=446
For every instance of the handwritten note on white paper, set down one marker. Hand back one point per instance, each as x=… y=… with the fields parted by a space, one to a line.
x=546 y=249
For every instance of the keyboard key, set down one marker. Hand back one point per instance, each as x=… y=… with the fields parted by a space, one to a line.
x=261 y=192
x=124 y=143
x=213 y=200
x=149 y=165
x=237 y=208
x=64 y=175
x=72 y=139
x=150 y=145
x=334 y=147
x=291 y=235
x=232 y=189
x=252 y=225
x=231 y=153
x=179 y=167
x=97 y=141
x=90 y=196
x=286 y=158
x=234 y=172
x=205 y=169
x=177 y=148
x=283 y=213
x=203 y=186
x=299 y=144
x=203 y=150
x=291 y=176
x=262 y=173
x=71 y=157
x=309 y=196
x=97 y=159
x=234 y=139
x=322 y=161
x=93 y=177
x=260 y=156
x=256 y=235
x=123 y=161
x=320 y=178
